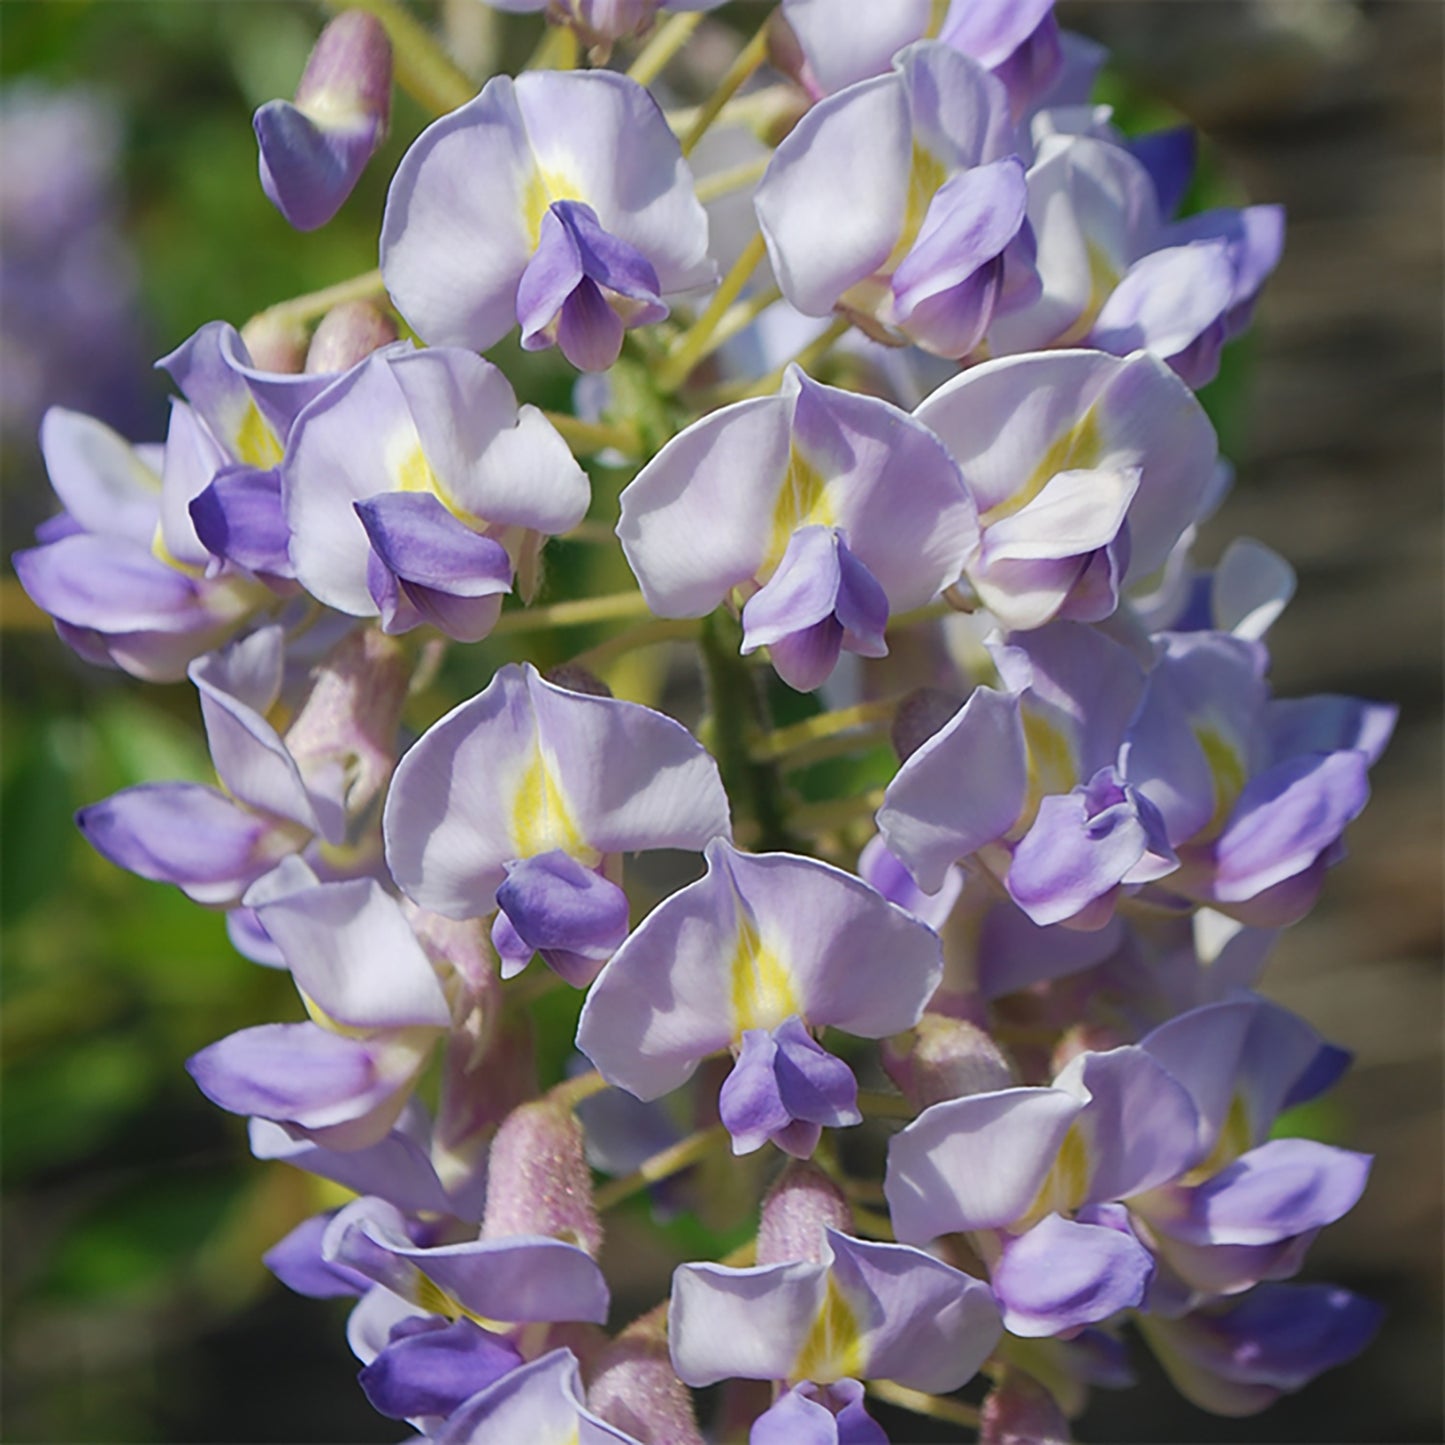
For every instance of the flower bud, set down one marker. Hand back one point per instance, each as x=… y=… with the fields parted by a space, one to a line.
x=313 y=152
x=347 y=334
x=538 y=1181
x=273 y=345
x=1019 y=1411
x=798 y=1208
x=635 y=1387
x=945 y=1058
x=921 y=714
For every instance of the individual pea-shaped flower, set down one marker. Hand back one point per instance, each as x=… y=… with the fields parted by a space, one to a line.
x=523 y=801
x=817 y=511
x=914 y=244
x=754 y=957
x=313 y=152
x=317 y=783
x=559 y=202
x=378 y=1008
x=1238 y=1356
x=121 y=569
x=864 y=1310
x=1086 y=470
x=1255 y=792
x=1029 y=782
x=414 y=485
x=843 y=42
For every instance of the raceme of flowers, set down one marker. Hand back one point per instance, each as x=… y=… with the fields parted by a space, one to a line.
x=981 y=1049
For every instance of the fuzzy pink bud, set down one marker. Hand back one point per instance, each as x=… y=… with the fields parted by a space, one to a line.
x=635 y=1387
x=349 y=333
x=945 y=1058
x=798 y=1208
x=538 y=1180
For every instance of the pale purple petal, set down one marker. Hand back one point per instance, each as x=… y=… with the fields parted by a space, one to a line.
x=101 y=480
x=297 y=1262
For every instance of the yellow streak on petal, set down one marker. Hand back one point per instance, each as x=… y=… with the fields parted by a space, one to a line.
x=1235 y=1138
x=255 y=443
x=1052 y=766
x=1103 y=278
x=431 y=1297
x=415 y=474
x=1076 y=449
x=162 y=553
x=833 y=1349
x=1066 y=1184
x=541 y=820
x=1228 y=771
x=802 y=502
x=762 y=992
x=937 y=14
x=542 y=188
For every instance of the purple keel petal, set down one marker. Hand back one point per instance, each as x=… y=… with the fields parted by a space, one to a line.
x=308 y=169
x=554 y=903
x=239 y=517
x=431 y=1367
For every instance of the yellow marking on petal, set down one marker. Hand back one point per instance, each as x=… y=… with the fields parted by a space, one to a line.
x=542 y=188
x=762 y=992
x=833 y=1349
x=541 y=820
x=1227 y=769
x=1103 y=278
x=1235 y=1138
x=255 y=443
x=802 y=502
x=937 y=14
x=162 y=553
x=1065 y=1186
x=1050 y=761
x=415 y=474
x=1076 y=449
x=320 y=1017
x=431 y=1297
x=926 y=173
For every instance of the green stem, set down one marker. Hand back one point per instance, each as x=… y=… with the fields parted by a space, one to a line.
x=723 y=183
x=423 y=69
x=593 y=436
x=300 y=309
x=557 y=50
x=738 y=716
x=571 y=1092
x=808 y=357
x=631 y=639
x=572 y=614
x=660 y=1166
x=935 y=1407
x=877 y=1104
x=663 y=46
x=693 y=345
x=786 y=740
x=835 y=812
x=746 y=62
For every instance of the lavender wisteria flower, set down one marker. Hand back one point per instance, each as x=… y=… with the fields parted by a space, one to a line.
x=121 y=570
x=414 y=486
x=1086 y=470
x=793 y=945
x=313 y=151
x=1145 y=1154
x=881 y=1311
x=843 y=43
x=817 y=511
x=914 y=245
x=522 y=801
x=559 y=202
x=318 y=782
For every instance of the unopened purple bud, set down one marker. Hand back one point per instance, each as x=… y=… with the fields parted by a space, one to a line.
x=921 y=714
x=274 y=345
x=347 y=334
x=635 y=1387
x=945 y=1058
x=1019 y=1411
x=538 y=1180
x=798 y=1208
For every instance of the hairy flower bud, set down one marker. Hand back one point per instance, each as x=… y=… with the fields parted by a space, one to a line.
x=348 y=333
x=538 y=1180
x=799 y=1207
x=1019 y=1411
x=274 y=345
x=945 y=1058
x=635 y=1387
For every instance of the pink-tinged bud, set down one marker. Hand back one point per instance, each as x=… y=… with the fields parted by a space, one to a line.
x=312 y=153
x=1019 y=1411
x=1084 y=1039
x=945 y=1058
x=349 y=333
x=273 y=345
x=538 y=1181
x=348 y=72
x=635 y=1388
x=921 y=714
x=798 y=1208
x=351 y=719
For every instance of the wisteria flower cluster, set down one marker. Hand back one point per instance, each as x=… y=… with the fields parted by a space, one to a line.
x=980 y=1049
